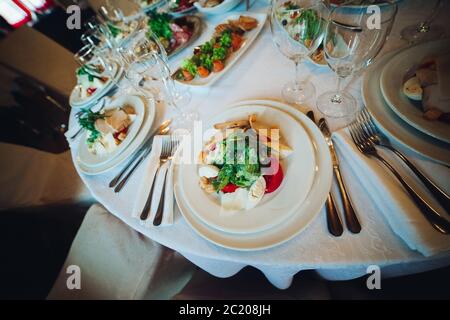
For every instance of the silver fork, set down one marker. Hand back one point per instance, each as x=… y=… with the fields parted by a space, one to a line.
x=159 y=212
x=168 y=146
x=365 y=120
x=367 y=147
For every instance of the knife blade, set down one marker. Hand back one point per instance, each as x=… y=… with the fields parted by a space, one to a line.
x=351 y=220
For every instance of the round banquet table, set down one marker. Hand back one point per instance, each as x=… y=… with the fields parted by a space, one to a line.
x=261 y=73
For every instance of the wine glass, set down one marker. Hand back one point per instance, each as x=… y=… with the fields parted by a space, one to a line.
x=109 y=13
x=351 y=42
x=298 y=27
x=424 y=31
x=85 y=54
x=140 y=43
x=150 y=75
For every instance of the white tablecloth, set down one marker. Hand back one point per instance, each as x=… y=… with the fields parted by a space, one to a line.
x=261 y=73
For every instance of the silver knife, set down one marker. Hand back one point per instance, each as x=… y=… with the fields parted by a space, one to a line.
x=334 y=222
x=351 y=220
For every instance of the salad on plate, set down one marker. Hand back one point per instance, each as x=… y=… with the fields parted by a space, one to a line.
x=90 y=79
x=241 y=162
x=106 y=130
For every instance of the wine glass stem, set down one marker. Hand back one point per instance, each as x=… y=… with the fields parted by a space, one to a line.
x=424 y=26
x=297 y=72
x=337 y=98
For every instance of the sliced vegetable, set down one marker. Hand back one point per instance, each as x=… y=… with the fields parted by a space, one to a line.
x=202 y=71
x=229 y=188
x=273 y=180
x=236 y=41
x=218 y=66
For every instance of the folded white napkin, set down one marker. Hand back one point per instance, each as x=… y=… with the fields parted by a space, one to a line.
x=151 y=173
x=399 y=210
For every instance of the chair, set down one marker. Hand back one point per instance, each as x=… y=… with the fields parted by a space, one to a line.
x=117 y=262
x=31 y=177
x=31 y=53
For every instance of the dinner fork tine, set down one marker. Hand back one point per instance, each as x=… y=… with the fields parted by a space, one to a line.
x=366 y=147
x=365 y=119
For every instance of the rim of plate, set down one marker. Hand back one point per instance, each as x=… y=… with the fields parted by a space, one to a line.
x=267 y=213
x=139 y=105
x=137 y=142
x=393 y=126
x=298 y=222
x=392 y=89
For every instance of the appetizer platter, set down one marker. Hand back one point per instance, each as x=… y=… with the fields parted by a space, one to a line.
x=266 y=179
x=175 y=34
x=109 y=131
x=213 y=58
x=277 y=228
x=416 y=86
x=92 y=84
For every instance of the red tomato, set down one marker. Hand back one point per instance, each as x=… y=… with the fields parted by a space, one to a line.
x=229 y=188
x=90 y=91
x=274 y=179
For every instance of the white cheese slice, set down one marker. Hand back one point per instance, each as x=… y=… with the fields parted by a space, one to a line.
x=234 y=201
x=208 y=171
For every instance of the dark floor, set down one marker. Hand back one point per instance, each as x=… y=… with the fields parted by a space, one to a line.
x=34 y=244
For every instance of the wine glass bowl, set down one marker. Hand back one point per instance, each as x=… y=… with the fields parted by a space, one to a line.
x=297 y=30
x=351 y=42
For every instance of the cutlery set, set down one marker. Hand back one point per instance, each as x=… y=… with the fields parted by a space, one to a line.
x=366 y=137
x=334 y=222
x=169 y=145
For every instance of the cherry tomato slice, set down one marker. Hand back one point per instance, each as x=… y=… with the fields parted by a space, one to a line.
x=273 y=181
x=229 y=188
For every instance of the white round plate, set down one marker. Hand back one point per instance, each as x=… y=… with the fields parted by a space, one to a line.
x=392 y=79
x=76 y=101
x=91 y=160
x=275 y=207
x=393 y=126
x=297 y=222
x=138 y=141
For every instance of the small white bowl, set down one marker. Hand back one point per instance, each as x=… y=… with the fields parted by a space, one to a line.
x=225 y=6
